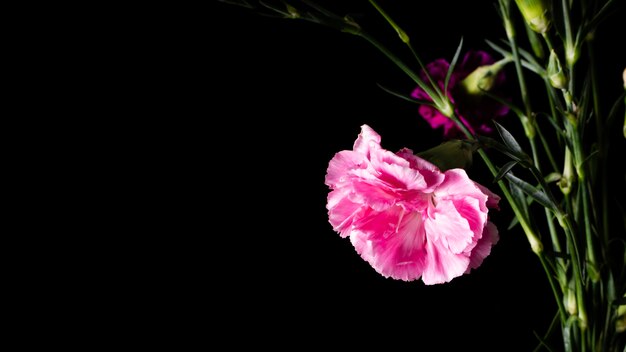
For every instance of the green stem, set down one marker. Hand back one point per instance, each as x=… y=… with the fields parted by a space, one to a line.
x=600 y=130
x=534 y=241
x=546 y=37
x=547 y=150
x=555 y=290
x=406 y=40
x=433 y=95
x=530 y=129
x=553 y=112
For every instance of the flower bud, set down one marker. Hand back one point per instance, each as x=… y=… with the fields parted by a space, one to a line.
x=293 y=12
x=482 y=78
x=555 y=72
x=452 y=154
x=572 y=53
x=536 y=13
x=569 y=301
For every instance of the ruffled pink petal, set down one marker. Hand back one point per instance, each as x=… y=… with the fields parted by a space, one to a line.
x=458 y=185
x=442 y=265
x=483 y=247
x=399 y=250
x=470 y=210
x=396 y=172
x=342 y=211
x=341 y=165
x=446 y=226
x=367 y=139
x=375 y=194
x=431 y=173
x=492 y=198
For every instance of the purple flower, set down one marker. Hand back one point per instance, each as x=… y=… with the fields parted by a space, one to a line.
x=472 y=106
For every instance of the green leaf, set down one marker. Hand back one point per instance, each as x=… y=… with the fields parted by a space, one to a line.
x=504 y=170
x=555 y=254
x=531 y=65
x=499 y=49
x=611 y=292
x=508 y=139
x=512 y=224
x=599 y=17
x=452 y=65
x=488 y=142
x=504 y=102
x=241 y=3
x=520 y=199
x=538 y=195
x=558 y=129
x=553 y=177
x=405 y=97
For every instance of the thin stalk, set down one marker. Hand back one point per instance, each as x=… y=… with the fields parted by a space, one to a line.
x=554 y=288
x=406 y=40
x=553 y=112
x=603 y=145
x=523 y=89
x=529 y=128
x=400 y=65
x=591 y=257
x=547 y=150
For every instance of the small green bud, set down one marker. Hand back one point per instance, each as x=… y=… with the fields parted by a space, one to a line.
x=571 y=117
x=572 y=53
x=453 y=154
x=535 y=243
x=536 y=13
x=482 y=78
x=569 y=299
x=293 y=12
x=567 y=180
x=555 y=72
x=509 y=28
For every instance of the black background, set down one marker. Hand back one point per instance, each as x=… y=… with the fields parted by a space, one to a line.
x=243 y=115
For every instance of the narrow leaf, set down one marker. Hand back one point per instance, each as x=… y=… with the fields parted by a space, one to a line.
x=538 y=195
x=504 y=170
x=507 y=103
x=508 y=139
x=519 y=198
x=452 y=64
x=492 y=143
x=531 y=65
x=405 y=97
x=499 y=49
x=513 y=222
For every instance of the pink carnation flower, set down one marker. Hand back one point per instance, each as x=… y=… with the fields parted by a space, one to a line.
x=404 y=216
x=475 y=111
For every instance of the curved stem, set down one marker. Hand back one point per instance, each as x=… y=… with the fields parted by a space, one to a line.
x=401 y=65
